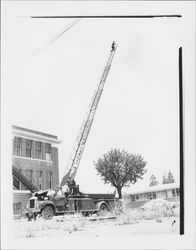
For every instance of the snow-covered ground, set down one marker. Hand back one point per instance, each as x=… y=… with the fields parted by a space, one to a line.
x=157 y=217
x=61 y=226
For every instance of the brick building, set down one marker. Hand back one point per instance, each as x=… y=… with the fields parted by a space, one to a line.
x=35 y=160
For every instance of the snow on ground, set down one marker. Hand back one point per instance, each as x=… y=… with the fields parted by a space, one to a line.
x=159 y=204
x=63 y=227
x=156 y=217
x=160 y=207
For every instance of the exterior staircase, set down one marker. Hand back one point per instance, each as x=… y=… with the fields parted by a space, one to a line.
x=19 y=177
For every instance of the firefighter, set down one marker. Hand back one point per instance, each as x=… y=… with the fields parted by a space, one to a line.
x=113 y=46
x=60 y=192
x=71 y=185
x=66 y=190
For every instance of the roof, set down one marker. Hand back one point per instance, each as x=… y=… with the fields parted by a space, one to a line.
x=35 y=135
x=34 y=131
x=153 y=188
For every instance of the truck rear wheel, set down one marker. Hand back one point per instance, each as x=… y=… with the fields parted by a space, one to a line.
x=47 y=212
x=103 y=209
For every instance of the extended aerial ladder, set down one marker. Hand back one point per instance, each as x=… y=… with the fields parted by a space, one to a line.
x=79 y=146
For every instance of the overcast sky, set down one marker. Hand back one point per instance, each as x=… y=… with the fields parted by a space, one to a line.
x=49 y=88
x=50 y=92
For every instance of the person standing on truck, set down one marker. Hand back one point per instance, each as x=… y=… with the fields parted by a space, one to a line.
x=60 y=192
x=66 y=190
x=71 y=185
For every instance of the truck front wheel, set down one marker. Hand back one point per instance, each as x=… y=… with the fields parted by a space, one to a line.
x=47 y=212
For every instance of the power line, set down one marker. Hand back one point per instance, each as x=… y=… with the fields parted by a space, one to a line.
x=56 y=37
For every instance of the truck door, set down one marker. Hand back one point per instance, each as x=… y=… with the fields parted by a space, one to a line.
x=60 y=202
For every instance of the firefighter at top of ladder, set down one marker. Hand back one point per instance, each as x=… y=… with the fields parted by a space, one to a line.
x=113 y=46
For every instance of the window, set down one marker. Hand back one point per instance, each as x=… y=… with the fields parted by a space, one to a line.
x=17 y=146
x=29 y=144
x=40 y=180
x=38 y=150
x=29 y=175
x=48 y=151
x=50 y=180
x=133 y=198
x=152 y=196
x=175 y=192
x=17 y=208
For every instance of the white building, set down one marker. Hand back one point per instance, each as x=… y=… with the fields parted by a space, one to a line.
x=138 y=197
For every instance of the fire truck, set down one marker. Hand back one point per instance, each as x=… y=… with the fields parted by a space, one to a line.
x=46 y=202
x=47 y=206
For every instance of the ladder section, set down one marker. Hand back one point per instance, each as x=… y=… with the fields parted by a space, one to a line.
x=87 y=123
x=18 y=176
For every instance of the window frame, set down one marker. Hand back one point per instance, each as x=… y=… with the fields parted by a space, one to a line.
x=48 y=151
x=40 y=179
x=50 y=180
x=17 y=146
x=29 y=148
x=133 y=198
x=38 y=150
x=17 y=207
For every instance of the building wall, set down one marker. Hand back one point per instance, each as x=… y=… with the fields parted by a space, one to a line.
x=31 y=168
x=36 y=156
x=20 y=201
x=138 y=200
x=39 y=171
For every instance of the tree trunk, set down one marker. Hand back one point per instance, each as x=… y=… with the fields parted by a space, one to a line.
x=119 y=189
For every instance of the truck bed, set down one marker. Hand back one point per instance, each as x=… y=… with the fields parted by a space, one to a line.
x=95 y=196
x=102 y=196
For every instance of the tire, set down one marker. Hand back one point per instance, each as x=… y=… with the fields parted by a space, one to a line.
x=103 y=209
x=47 y=212
x=85 y=214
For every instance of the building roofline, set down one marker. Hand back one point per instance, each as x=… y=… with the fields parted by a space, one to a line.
x=34 y=131
x=153 y=189
x=37 y=135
